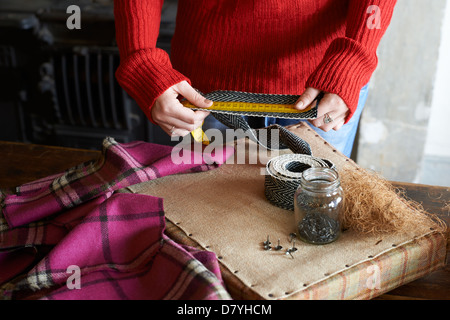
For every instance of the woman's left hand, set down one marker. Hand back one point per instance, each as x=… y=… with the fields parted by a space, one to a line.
x=332 y=110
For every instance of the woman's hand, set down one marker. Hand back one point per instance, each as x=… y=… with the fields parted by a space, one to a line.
x=331 y=105
x=174 y=118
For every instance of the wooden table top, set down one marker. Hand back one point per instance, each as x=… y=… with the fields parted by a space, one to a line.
x=21 y=163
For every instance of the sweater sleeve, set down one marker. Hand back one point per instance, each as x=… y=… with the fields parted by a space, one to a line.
x=350 y=61
x=145 y=71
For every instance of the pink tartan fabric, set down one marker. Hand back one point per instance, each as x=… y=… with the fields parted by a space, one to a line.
x=116 y=240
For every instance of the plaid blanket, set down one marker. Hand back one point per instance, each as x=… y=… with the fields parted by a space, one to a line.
x=73 y=236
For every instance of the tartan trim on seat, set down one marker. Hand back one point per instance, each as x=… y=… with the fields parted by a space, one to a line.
x=405 y=263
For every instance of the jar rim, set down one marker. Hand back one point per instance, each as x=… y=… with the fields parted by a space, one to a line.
x=320 y=179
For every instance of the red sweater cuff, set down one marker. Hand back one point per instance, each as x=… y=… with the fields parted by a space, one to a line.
x=145 y=75
x=346 y=67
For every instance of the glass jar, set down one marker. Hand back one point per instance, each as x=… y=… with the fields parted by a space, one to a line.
x=318 y=202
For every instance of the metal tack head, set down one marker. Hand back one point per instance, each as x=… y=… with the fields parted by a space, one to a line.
x=293 y=249
x=292 y=236
x=278 y=247
x=289 y=252
x=267 y=242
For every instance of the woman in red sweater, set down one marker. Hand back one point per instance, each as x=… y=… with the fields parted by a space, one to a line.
x=298 y=47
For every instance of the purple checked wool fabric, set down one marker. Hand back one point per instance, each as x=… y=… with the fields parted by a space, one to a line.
x=115 y=241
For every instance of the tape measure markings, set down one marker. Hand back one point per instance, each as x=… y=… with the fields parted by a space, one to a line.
x=257 y=104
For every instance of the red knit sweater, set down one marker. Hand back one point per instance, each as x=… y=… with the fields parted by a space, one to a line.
x=260 y=46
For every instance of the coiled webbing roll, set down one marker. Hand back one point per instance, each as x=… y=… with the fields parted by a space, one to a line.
x=283 y=174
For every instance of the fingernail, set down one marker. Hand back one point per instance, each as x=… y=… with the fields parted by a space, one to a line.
x=208 y=102
x=299 y=105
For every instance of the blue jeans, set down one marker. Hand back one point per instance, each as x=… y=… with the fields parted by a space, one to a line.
x=342 y=140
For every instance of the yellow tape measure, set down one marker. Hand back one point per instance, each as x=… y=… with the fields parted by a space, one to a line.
x=243 y=108
x=251 y=104
x=200 y=136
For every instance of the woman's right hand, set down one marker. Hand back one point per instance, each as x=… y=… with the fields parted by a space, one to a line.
x=174 y=118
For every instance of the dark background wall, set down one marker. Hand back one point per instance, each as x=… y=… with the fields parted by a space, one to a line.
x=57 y=85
